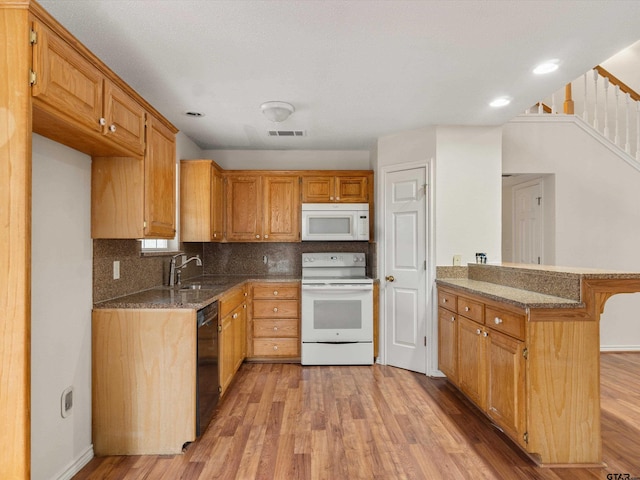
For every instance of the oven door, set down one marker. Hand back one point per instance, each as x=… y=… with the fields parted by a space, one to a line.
x=337 y=313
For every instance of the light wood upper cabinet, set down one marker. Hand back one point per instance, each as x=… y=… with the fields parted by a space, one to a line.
x=335 y=188
x=281 y=214
x=92 y=113
x=160 y=181
x=262 y=208
x=243 y=202
x=201 y=201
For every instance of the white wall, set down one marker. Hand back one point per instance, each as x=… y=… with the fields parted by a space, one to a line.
x=597 y=209
x=61 y=307
x=468 y=193
x=290 y=159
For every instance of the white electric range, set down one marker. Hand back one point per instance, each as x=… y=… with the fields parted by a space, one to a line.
x=337 y=310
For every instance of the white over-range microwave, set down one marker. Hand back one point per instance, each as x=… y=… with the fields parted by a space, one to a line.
x=335 y=221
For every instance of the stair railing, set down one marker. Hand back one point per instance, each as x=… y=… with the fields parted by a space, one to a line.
x=608 y=105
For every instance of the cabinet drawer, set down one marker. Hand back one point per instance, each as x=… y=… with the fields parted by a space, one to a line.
x=447 y=300
x=275 y=291
x=276 y=347
x=471 y=309
x=231 y=300
x=275 y=309
x=279 y=327
x=506 y=322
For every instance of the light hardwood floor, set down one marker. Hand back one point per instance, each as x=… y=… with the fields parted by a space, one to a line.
x=282 y=421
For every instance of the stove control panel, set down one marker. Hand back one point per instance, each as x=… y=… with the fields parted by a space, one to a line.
x=345 y=259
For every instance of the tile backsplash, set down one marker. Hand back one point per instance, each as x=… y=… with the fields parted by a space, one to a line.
x=138 y=272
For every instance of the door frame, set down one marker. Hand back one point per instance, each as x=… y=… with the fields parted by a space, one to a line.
x=431 y=363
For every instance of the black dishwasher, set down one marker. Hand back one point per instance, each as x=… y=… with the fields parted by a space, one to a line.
x=208 y=381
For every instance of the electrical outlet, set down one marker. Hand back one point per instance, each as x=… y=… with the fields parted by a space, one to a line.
x=457 y=260
x=265 y=259
x=116 y=269
x=66 y=402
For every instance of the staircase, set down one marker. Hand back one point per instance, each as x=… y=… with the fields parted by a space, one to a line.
x=603 y=106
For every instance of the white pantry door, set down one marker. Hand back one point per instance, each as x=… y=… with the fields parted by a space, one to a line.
x=405 y=274
x=527 y=222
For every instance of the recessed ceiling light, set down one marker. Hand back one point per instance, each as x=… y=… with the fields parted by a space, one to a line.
x=194 y=114
x=546 y=67
x=500 y=102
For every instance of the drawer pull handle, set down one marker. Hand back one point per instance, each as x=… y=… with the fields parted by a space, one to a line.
x=275 y=347
x=478 y=332
x=266 y=236
x=245 y=294
x=275 y=309
x=497 y=320
x=235 y=315
x=275 y=292
x=257 y=236
x=485 y=334
x=466 y=309
x=275 y=329
x=444 y=300
x=453 y=319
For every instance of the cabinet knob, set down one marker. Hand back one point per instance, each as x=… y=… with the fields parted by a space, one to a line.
x=275 y=347
x=485 y=334
x=466 y=309
x=266 y=236
x=275 y=292
x=257 y=236
x=244 y=306
x=103 y=121
x=497 y=320
x=453 y=319
x=338 y=198
x=215 y=235
x=275 y=309
x=275 y=329
x=444 y=300
x=112 y=128
x=478 y=331
x=235 y=315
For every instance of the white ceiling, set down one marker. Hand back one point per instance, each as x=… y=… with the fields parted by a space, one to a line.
x=355 y=70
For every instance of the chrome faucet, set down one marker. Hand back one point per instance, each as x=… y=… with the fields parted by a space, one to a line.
x=174 y=271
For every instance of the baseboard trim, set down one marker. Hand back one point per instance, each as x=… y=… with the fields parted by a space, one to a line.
x=619 y=348
x=77 y=464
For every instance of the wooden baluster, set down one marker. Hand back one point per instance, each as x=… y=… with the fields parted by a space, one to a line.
x=627 y=145
x=540 y=108
x=585 y=114
x=568 y=101
x=553 y=103
x=616 y=138
x=606 y=107
x=595 y=97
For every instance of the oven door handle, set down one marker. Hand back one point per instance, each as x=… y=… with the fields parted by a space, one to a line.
x=337 y=289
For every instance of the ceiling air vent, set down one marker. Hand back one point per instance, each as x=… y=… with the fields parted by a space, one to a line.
x=287 y=133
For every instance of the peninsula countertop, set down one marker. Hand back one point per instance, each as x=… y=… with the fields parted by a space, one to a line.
x=208 y=289
x=529 y=286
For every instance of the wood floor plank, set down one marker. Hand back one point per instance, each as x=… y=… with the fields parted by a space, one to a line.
x=289 y=422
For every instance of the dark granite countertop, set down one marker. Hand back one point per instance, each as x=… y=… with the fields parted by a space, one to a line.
x=210 y=288
x=514 y=296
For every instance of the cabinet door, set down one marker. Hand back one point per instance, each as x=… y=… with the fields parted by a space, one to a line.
x=351 y=190
x=66 y=82
x=506 y=383
x=226 y=353
x=124 y=118
x=318 y=189
x=471 y=361
x=244 y=222
x=448 y=344
x=217 y=206
x=281 y=215
x=195 y=200
x=239 y=336
x=160 y=181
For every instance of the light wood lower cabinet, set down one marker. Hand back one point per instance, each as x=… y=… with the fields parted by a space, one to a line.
x=484 y=350
x=232 y=308
x=143 y=381
x=274 y=326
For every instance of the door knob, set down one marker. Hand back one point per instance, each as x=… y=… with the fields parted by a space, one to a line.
x=390 y=278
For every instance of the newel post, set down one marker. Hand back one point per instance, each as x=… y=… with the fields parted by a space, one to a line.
x=568 y=101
